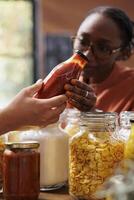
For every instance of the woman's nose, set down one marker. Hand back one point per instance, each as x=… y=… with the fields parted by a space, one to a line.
x=88 y=53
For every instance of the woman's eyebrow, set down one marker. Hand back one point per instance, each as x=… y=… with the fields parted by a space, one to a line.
x=87 y=36
x=106 y=41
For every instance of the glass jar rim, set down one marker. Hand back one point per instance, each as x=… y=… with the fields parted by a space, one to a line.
x=22 y=145
x=99 y=119
x=95 y=115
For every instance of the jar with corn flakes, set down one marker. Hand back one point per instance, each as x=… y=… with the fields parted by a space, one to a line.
x=94 y=152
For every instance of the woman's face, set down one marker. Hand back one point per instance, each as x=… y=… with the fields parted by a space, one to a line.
x=99 y=38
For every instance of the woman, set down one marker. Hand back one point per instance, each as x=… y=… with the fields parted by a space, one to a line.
x=105 y=37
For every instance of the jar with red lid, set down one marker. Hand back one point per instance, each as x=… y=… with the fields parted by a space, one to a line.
x=21 y=171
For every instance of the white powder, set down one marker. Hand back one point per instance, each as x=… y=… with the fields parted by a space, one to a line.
x=54 y=160
x=54 y=154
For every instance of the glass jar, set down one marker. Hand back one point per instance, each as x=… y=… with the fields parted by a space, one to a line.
x=69 y=121
x=54 y=155
x=129 y=147
x=3 y=139
x=13 y=136
x=62 y=74
x=124 y=124
x=94 y=152
x=21 y=171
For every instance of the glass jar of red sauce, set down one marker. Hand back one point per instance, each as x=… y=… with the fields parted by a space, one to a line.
x=21 y=171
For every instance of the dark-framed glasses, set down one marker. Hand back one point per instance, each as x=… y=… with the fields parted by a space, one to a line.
x=99 y=50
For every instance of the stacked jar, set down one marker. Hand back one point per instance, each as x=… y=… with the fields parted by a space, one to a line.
x=53 y=155
x=94 y=152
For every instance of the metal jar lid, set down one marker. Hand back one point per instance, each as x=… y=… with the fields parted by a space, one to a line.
x=22 y=145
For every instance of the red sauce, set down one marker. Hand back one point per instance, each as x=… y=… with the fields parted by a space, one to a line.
x=21 y=174
x=62 y=74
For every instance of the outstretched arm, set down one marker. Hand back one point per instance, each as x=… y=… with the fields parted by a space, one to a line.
x=26 y=110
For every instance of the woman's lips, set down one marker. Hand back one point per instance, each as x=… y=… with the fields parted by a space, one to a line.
x=90 y=67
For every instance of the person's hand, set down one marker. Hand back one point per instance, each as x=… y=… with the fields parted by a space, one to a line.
x=80 y=95
x=26 y=110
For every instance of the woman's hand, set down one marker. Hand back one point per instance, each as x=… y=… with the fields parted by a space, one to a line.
x=26 y=110
x=80 y=95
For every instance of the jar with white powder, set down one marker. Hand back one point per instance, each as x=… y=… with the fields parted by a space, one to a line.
x=53 y=155
x=69 y=121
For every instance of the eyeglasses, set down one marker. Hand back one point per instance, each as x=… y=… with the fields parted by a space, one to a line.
x=99 y=50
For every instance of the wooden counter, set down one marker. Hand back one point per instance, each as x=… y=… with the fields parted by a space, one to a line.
x=61 y=194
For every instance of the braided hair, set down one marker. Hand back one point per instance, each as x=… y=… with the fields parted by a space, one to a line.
x=125 y=25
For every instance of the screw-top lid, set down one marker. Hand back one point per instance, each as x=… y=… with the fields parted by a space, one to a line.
x=81 y=54
x=22 y=145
